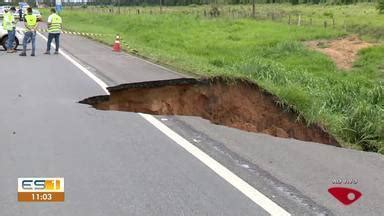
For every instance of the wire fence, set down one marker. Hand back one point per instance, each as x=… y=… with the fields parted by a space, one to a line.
x=243 y=12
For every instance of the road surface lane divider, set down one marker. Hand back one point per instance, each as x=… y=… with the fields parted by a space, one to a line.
x=241 y=185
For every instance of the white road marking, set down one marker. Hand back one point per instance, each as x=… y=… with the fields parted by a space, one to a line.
x=241 y=185
x=102 y=84
x=253 y=194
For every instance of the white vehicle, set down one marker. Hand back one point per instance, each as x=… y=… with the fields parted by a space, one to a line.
x=4 y=37
x=37 y=14
x=2 y=11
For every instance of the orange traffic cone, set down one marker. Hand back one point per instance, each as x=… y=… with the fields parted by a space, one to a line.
x=116 y=46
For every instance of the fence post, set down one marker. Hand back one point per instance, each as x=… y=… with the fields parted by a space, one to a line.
x=289 y=20
x=299 y=21
x=253 y=9
x=325 y=24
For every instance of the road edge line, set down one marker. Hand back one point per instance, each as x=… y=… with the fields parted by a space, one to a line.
x=238 y=183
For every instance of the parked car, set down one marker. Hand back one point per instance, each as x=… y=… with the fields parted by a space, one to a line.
x=4 y=37
x=2 y=11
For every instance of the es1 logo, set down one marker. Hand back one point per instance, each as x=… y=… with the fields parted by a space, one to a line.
x=40 y=189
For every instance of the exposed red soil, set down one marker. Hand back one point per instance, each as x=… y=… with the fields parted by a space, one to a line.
x=342 y=51
x=239 y=104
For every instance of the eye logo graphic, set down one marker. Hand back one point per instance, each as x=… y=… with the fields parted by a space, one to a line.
x=40 y=189
x=346 y=196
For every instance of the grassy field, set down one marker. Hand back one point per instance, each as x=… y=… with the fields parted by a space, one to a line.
x=350 y=104
x=361 y=18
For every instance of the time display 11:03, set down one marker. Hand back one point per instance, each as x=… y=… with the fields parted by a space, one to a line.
x=41 y=196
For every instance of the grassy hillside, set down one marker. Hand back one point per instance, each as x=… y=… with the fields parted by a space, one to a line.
x=349 y=103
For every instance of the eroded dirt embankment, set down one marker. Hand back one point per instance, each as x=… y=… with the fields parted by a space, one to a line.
x=343 y=51
x=239 y=104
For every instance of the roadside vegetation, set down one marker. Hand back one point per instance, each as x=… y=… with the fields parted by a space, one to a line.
x=269 y=52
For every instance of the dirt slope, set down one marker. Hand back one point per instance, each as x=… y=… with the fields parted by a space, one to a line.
x=342 y=51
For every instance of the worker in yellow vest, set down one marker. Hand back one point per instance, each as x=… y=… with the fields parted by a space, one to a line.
x=54 y=30
x=30 y=22
x=9 y=24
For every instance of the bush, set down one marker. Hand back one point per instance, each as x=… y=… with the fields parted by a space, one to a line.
x=380 y=6
x=328 y=14
x=214 y=12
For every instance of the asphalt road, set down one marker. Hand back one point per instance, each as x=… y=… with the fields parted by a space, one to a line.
x=116 y=163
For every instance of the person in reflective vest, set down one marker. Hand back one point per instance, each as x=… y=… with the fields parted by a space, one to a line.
x=54 y=30
x=9 y=24
x=30 y=22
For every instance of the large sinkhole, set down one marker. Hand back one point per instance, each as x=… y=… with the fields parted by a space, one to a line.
x=236 y=103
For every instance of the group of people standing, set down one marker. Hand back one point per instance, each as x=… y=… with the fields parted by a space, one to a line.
x=31 y=25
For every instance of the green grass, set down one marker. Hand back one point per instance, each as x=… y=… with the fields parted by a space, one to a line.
x=358 y=18
x=350 y=104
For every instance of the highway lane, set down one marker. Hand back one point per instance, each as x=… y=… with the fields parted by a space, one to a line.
x=114 y=163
